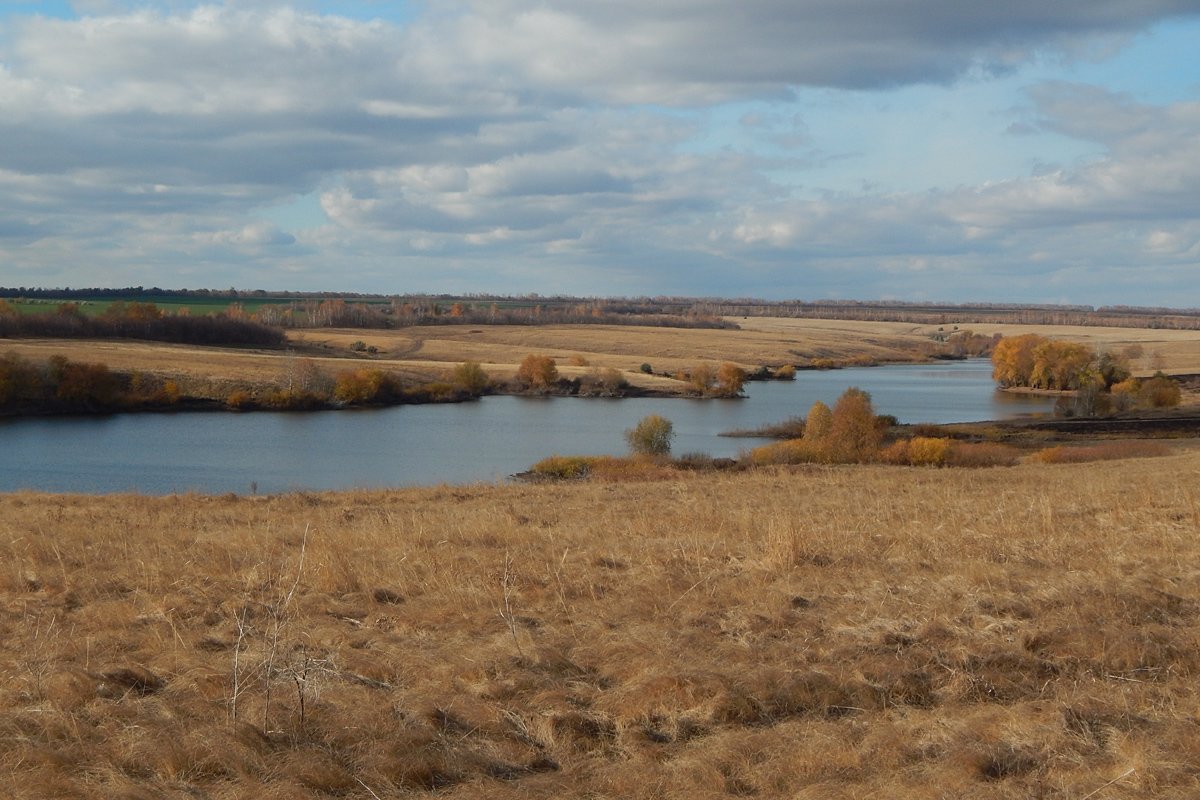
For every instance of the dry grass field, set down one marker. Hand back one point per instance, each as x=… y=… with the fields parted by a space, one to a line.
x=428 y=353
x=821 y=632
x=771 y=342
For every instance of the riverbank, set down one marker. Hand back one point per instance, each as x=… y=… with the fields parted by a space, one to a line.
x=591 y=360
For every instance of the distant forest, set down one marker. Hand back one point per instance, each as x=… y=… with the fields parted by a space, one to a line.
x=349 y=309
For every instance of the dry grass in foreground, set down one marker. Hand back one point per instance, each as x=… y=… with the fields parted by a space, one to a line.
x=826 y=632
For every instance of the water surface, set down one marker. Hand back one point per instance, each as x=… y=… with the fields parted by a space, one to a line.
x=486 y=440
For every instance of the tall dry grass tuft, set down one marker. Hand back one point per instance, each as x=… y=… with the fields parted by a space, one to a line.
x=830 y=631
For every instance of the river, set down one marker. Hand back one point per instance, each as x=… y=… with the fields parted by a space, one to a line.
x=487 y=440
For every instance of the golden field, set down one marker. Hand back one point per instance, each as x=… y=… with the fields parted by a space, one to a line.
x=821 y=632
x=430 y=352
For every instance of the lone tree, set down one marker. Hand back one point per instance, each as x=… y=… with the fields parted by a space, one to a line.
x=538 y=372
x=651 y=437
x=730 y=379
x=854 y=435
x=470 y=376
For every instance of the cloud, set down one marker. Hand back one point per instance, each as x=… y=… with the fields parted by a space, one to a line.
x=704 y=51
x=489 y=145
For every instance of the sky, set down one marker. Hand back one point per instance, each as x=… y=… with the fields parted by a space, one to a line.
x=915 y=150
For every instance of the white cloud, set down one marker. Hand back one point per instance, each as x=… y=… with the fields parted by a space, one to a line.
x=508 y=139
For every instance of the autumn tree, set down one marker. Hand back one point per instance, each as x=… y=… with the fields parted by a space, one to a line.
x=818 y=422
x=1012 y=359
x=538 y=372
x=1125 y=394
x=651 y=436
x=360 y=386
x=470 y=376
x=729 y=380
x=1113 y=367
x=853 y=434
x=132 y=312
x=83 y=385
x=20 y=380
x=700 y=377
x=1060 y=365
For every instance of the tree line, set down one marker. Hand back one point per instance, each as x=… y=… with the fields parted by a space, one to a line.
x=317 y=309
x=339 y=313
x=134 y=320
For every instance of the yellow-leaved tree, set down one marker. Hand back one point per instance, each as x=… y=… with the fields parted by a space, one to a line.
x=538 y=372
x=854 y=435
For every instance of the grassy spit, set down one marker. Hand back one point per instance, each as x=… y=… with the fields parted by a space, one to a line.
x=823 y=632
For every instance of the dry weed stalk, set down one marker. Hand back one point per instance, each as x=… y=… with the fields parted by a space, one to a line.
x=507 y=581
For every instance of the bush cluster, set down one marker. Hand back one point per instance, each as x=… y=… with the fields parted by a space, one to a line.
x=922 y=451
x=851 y=433
x=706 y=380
x=60 y=385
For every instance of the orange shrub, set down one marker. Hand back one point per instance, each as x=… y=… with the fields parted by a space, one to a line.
x=293 y=400
x=603 y=468
x=1099 y=452
x=1160 y=392
x=921 y=451
x=240 y=399
x=359 y=386
x=793 y=451
x=1125 y=394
